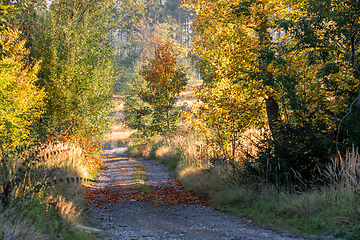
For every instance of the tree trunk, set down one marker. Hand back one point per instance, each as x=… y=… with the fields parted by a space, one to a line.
x=272 y=111
x=272 y=107
x=358 y=97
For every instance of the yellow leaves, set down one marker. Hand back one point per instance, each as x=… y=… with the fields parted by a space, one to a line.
x=21 y=101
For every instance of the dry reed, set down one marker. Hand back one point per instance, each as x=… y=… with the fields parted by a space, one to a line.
x=346 y=171
x=67 y=158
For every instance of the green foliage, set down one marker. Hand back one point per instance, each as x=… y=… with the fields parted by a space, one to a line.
x=350 y=131
x=74 y=43
x=6 y=13
x=295 y=160
x=138 y=114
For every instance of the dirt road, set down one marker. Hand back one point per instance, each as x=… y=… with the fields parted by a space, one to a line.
x=124 y=211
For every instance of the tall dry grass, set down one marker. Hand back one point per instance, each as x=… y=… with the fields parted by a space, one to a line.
x=64 y=163
x=118 y=136
x=183 y=150
x=67 y=158
x=49 y=191
x=345 y=171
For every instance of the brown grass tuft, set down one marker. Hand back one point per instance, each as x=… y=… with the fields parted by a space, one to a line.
x=164 y=153
x=346 y=171
x=202 y=181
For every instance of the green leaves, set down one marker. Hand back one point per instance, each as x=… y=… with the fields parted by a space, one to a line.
x=77 y=70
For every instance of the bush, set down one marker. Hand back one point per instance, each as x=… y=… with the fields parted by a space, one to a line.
x=294 y=158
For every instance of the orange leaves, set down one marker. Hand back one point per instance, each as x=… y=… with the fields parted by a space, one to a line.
x=101 y=197
x=165 y=80
x=161 y=74
x=165 y=194
x=170 y=195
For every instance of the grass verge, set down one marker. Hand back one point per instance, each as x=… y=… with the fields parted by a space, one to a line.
x=140 y=173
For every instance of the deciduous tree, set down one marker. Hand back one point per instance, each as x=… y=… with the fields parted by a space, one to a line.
x=21 y=100
x=165 y=80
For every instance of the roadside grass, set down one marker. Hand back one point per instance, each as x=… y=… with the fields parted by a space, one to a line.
x=140 y=173
x=118 y=137
x=11 y=227
x=46 y=200
x=325 y=212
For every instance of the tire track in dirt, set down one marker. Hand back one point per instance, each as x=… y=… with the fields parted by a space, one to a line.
x=124 y=212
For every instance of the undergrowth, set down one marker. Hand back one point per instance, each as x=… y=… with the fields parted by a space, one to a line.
x=324 y=211
x=42 y=192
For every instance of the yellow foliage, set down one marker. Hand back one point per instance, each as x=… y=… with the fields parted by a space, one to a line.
x=21 y=101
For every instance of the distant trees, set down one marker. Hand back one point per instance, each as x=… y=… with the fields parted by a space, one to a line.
x=160 y=20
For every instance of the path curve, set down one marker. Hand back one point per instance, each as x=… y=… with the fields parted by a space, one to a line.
x=121 y=216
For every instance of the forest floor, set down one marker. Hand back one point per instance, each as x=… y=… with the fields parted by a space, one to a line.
x=157 y=207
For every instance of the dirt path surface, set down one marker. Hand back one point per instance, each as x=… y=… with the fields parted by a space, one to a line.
x=122 y=211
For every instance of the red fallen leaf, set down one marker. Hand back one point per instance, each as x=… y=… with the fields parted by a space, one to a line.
x=174 y=195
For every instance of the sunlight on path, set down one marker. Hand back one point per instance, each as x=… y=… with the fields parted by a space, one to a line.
x=120 y=151
x=120 y=169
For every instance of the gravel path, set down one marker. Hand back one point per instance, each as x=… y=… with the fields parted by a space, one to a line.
x=120 y=215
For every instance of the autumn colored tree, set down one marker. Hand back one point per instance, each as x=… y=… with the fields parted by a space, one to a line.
x=138 y=113
x=246 y=45
x=21 y=100
x=297 y=103
x=165 y=80
x=329 y=31
x=231 y=101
